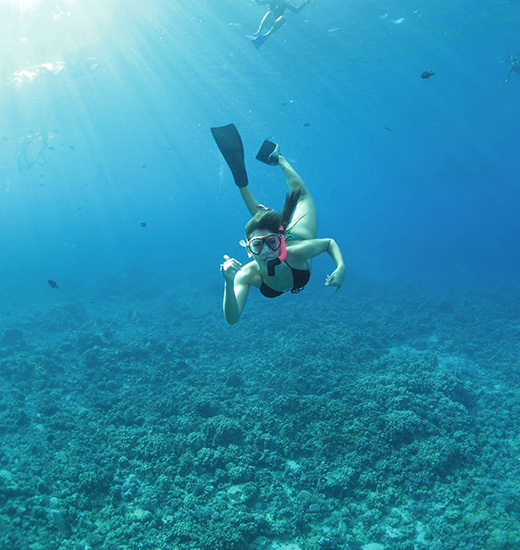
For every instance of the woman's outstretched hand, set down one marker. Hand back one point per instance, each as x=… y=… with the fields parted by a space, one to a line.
x=229 y=268
x=335 y=278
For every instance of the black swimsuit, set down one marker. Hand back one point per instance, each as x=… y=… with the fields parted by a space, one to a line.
x=300 y=279
x=277 y=8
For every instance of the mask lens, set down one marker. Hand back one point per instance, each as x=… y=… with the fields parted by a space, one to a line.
x=256 y=244
x=273 y=242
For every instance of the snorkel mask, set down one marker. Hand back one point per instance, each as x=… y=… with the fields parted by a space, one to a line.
x=256 y=249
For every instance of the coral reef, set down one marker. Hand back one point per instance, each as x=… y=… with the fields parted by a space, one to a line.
x=388 y=418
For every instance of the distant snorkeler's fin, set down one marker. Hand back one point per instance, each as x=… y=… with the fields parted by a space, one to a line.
x=269 y=153
x=258 y=41
x=230 y=144
x=514 y=69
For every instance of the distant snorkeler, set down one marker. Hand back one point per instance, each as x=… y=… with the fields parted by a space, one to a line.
x=273 y=19
x=515 y=66
x=281 y=245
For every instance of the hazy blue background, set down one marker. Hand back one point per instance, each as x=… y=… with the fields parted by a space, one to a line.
x=418 y=180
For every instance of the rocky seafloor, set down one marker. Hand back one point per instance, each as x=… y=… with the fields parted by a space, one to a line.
x=381 y=417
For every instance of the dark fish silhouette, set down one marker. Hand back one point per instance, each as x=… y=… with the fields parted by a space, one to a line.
x=306 y=124
x=54 y=284
x=142 y=224
x=427 y=74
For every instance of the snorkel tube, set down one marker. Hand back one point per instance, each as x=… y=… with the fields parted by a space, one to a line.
x=271 y=264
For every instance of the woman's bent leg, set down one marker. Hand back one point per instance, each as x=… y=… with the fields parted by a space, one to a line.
x=305 y=220
x=266 y=22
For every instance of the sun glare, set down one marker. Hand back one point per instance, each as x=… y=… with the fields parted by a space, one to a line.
x=28 y=6
x=47 y=37
x=25 y=6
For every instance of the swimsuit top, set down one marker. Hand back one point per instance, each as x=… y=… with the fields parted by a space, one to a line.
x=278 y=8
x=300 y=279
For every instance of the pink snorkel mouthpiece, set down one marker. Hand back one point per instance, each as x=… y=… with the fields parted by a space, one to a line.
x=271 y=264
x=283 y=248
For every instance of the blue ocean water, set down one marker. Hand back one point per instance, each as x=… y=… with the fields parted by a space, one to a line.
x=112 y=186
x=417 y=179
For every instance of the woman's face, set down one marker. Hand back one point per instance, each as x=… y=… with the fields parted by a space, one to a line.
x=264 y=245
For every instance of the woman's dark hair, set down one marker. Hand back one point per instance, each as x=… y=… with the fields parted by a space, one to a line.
x=271 y=219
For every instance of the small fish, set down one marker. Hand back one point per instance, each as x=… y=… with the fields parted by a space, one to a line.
x=388 y=129
x=72 y=147
x=51 y=148
x=142 y=223
x=306 y=124
x=427 y=74
x=54 y=284
x=143 y=166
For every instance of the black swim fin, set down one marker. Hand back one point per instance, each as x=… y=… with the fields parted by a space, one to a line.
x=266 y=153
x=230 y=144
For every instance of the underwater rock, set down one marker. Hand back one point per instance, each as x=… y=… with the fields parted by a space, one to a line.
x=11 y=336
x=90 y=341
x=8 y=486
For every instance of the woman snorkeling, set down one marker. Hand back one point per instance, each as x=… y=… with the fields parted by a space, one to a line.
x=281 y=245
